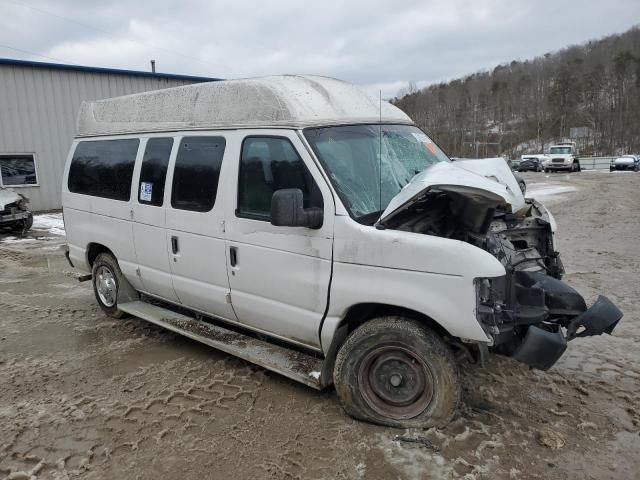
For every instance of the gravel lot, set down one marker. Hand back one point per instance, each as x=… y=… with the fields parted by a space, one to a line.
x=86 y=396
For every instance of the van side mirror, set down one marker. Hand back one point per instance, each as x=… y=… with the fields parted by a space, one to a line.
x=287 y=210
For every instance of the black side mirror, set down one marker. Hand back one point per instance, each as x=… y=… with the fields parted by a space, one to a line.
x=287 y=210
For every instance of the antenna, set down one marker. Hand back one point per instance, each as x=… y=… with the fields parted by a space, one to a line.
x=380 y=150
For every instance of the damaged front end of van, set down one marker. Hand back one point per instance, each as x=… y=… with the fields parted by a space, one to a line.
x=528 y=313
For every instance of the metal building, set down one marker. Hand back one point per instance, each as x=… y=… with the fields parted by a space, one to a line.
x=39 y=103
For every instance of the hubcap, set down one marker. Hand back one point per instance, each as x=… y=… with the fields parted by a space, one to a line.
x=106 y=286
x=395 y=382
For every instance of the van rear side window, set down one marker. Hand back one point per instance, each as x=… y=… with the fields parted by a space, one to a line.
x=195 y=177
x=103 y=168
x=153 y=171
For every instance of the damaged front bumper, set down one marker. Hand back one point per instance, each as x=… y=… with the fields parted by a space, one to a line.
x=10 y=218
x=531 y=316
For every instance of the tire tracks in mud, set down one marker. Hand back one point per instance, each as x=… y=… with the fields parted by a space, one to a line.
x=125 y=399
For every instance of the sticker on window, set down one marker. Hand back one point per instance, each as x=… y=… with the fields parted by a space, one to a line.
x=426 y=141
x=421 y=137
x=146 y=189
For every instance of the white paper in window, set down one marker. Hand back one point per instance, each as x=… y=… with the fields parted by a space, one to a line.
x=146 y=188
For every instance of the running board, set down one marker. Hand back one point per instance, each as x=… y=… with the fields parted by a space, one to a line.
x=301 y=367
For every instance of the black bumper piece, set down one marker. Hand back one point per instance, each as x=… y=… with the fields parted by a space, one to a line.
x=602 y=317
x=540 y=348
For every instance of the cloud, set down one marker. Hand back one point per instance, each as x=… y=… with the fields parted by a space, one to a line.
x=381 y=45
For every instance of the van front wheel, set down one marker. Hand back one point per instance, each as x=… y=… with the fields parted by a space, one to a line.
x=107 y=277
x=394 y=371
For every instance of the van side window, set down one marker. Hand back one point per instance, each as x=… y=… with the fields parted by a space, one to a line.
x=103 y=168
x=153 y=171
x=268 y=164
x=196 y=174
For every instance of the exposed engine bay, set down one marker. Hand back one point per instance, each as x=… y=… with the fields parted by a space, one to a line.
x=529 y=313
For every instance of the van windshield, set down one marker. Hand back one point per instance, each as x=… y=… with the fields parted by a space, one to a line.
x=365 y=180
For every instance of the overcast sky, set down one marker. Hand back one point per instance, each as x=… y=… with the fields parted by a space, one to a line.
x=381 y=45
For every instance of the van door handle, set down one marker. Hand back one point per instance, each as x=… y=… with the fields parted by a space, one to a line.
x=233 y=256
x=174 y=245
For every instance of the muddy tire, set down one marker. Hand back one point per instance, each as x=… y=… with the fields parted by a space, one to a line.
x=28 y=223
x=523 y=186
x=394 y=371
x=23 y=225
x=107 y=278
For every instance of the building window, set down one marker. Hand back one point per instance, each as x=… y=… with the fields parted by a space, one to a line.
x=268 y=164
x=17 y=170
x=196 y=173
x=103 y=168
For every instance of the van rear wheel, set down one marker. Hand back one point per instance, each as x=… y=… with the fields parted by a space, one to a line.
x=107 y=278
x=394 y=371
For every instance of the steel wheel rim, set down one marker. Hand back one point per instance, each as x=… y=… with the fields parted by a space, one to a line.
x=106 y=286
x=395 y=382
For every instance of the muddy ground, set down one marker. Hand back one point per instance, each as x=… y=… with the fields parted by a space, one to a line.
x=86 y=396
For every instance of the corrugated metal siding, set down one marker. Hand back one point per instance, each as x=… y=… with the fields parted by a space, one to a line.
x=38 y=108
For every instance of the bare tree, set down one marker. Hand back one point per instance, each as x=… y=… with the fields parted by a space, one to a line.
x=523 y=106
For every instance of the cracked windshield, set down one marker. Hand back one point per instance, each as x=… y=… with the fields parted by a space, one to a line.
x=365 y=181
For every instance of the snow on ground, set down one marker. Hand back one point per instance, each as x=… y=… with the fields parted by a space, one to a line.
x=51 y=222
x=542 y=190
x=12 y=239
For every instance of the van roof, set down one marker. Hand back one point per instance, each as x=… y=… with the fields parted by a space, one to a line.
x=276 y=101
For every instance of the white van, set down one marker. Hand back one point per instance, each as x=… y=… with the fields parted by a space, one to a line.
x=297 y=223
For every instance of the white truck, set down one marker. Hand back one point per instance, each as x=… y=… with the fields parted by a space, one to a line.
x=562 y=156
x=297 y=223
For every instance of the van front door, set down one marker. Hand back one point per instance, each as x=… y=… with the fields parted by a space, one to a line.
x=195 y=228
x=149 y=234
x=279 y=276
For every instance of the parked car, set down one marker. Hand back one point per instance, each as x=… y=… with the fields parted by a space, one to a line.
x=14 y=211
x=625 y=162
x=563 y=156
x=259 y=217
x=532 y=163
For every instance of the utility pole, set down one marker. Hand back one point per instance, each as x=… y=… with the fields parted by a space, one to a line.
x=475 y=109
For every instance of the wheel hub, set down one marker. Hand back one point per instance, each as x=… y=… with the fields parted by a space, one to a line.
x=106 y=286
x=395 y=382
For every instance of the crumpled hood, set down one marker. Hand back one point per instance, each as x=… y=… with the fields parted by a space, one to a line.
x=488 y=181
x=8 y=196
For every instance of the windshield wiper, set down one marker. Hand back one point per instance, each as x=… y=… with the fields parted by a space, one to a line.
x=369 y=218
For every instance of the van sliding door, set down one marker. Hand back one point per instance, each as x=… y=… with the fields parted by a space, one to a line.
x=195 y=227
x=149 y=232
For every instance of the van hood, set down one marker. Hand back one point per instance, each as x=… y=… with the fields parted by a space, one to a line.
x=488 y=182
x=8 y=196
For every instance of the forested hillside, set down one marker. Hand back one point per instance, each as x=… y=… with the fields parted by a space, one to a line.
x=589 y=92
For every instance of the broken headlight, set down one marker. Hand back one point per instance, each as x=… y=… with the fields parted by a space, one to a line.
x=490 y=302
x=483 y=289
x=23 y=203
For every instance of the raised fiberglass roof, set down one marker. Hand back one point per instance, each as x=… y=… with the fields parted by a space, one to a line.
x=284 y=100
